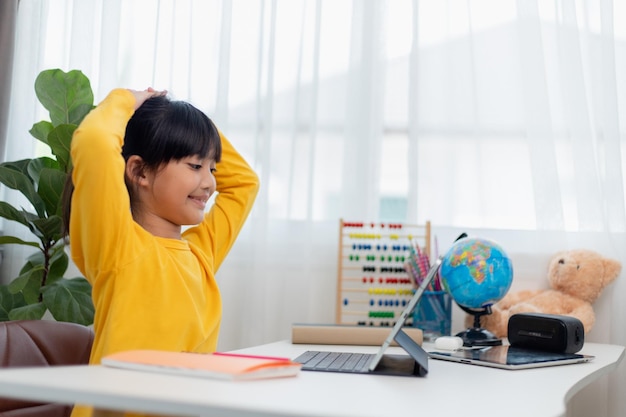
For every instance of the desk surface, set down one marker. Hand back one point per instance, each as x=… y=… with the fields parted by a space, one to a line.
x=449 y=387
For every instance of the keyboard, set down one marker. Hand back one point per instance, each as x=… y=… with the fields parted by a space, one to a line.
x=313 y=360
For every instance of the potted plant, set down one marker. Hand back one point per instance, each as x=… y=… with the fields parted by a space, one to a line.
x=41 y=285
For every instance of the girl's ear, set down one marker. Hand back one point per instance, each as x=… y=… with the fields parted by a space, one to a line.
x=135 y=170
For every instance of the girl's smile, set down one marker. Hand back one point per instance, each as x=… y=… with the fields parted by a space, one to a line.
x=200 y=201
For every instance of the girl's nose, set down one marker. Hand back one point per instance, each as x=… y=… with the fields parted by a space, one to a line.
x=208 y=181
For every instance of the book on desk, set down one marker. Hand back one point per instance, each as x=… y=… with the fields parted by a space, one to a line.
x=218 y=365
x=344 y=334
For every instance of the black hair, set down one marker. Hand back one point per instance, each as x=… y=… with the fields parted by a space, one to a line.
x=161 y=130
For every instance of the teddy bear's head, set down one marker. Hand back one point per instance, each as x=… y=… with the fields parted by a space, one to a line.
x=582 y=273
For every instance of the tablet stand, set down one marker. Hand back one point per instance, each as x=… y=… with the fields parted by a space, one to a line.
x=415 y=351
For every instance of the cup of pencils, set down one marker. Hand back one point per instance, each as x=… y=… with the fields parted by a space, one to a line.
x=433 y=313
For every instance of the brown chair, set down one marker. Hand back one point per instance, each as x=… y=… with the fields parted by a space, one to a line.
x=41 y=343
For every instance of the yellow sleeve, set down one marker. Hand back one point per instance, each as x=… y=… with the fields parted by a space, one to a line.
x=237 y=187
x=100 y=213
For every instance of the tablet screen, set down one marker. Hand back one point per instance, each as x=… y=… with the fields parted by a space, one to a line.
x=508 y=357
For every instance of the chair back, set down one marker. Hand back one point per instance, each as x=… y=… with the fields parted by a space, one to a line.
x=41 y=343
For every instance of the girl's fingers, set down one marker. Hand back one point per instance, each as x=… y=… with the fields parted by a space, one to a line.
x=156 y=93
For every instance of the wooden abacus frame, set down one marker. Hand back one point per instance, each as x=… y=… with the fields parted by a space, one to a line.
x=371 y=272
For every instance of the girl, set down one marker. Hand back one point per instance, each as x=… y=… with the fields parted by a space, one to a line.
x=143 y=167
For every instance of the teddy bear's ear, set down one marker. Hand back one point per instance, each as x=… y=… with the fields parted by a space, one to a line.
x=612 y=269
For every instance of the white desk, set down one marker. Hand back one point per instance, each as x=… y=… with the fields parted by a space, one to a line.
x=448 y=389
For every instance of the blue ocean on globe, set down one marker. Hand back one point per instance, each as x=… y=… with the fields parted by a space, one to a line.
x=476 y=272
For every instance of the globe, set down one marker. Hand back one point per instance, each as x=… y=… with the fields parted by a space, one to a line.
x=476 y=272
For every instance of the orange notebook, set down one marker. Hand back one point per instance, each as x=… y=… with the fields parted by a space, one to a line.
x=228 y=366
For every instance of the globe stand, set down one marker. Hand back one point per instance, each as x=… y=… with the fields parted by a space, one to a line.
x=477 y=336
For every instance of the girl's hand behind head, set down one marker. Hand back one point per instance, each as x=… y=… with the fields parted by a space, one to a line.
x=142 y=96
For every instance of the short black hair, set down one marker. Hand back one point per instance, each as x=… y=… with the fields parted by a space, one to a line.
x=162 y=130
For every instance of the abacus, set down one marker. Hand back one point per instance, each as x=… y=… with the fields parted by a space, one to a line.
x=373 y=286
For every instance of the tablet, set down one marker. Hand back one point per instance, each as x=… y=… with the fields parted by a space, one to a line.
x=509 y=357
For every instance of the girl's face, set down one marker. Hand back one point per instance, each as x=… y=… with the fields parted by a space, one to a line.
x=176 y=195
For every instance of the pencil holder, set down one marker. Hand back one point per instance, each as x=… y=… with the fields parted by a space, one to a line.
x=433 y=314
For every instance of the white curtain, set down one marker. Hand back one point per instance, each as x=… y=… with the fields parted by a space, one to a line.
x=500 y=117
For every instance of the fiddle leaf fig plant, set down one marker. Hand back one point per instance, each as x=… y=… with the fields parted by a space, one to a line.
x=41 y=285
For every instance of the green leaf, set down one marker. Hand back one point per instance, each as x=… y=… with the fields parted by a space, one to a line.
x=16 y=240
x=8 y=302
x=50 y=189
x=28 y=312
x=21 y=182
x=59 y=140
x=32 y=261
x=70 y=300
x=20 y=166
x=35 y=166
x=50 y=229
x=59 y=261
x=28 y=283
x=67 y=96
x=11 y=213
x=41 y=130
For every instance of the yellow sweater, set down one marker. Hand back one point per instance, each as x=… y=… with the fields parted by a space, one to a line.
x=149 y=292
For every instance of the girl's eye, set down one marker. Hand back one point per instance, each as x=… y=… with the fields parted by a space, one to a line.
x=213 y=170
x=195 y=166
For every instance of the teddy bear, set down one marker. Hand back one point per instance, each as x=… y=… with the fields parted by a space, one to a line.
x=576 y=278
